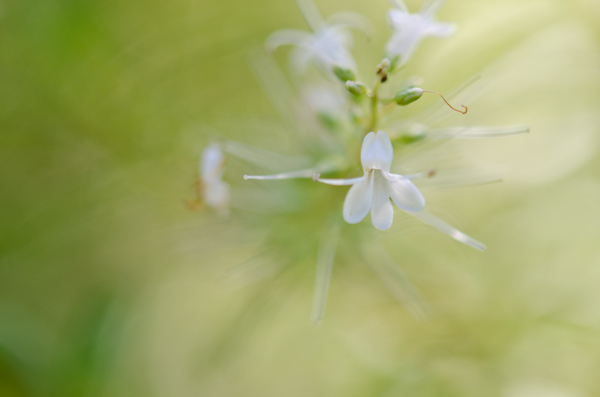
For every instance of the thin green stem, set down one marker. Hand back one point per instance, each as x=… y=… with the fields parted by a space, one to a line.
x=374 y=106
x=386 y=101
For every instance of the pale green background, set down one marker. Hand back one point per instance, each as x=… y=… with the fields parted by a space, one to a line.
x=110 y=287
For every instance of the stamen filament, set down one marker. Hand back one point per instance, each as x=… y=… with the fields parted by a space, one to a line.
x=400 y=4
x=430 y=173
x=449 y=230
x=477 y=132
x=325 y=258
x=338 y=182
x=286 y=175
x=396 y=281
x=451 y=107
x=432 y=8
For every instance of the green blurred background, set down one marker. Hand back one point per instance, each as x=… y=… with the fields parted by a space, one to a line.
x=109 y=286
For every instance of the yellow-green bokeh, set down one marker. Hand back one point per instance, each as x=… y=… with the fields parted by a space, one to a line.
x=109 y=286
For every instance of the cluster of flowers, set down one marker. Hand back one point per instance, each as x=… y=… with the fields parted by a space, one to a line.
x=327 y=48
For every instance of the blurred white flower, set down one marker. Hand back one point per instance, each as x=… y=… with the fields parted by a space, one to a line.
x=214 y=191
x=410 y=29
x=327 y=47
x=372 y=191
x=328 y=44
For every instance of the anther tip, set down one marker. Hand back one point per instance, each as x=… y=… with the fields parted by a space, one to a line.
x=316 y=177
x=245 y=177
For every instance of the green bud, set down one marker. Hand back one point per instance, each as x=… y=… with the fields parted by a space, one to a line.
x=408 y=95
x=343 y=74
x=356 y=88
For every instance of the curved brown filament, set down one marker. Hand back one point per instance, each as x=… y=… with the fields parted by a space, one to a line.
x=451 y=107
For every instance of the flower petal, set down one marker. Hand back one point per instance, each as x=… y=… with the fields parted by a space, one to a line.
x=352 y=20
x=287 y=37
x=330 y=46
x=216 y=195
x=398 y=18
x=382 y=212
x=377 y=152
x=211 y=163
x=404 y=193
x=358 y=200
x=439 y=29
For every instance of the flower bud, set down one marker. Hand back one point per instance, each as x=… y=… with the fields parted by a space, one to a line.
x=343 y=74
x=384 y=67
x=408 y=95
x=356 y=88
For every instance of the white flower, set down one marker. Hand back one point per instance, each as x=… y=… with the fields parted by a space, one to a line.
x=214 y=191
x=372 y=191
x=410 y=29
x=327 y=46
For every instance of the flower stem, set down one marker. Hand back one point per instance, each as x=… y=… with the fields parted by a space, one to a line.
x=374 y=106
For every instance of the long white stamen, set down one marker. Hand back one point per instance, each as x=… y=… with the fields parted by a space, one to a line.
x=449 y=230
x=325 y=258
x=286 y=175
x=397 y=283
x=432 y=8
x=425 y=174
x=286 y=37
x=310 y=13
x=352 y=20
x=264 y=158
x=477 y=132
x=338 y=182
x=274 y=84
x=440 y=184
x=425 y=6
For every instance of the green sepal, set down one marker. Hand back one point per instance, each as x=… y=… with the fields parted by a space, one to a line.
x=344 y=74
x=356 y=88
x=408 y=96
